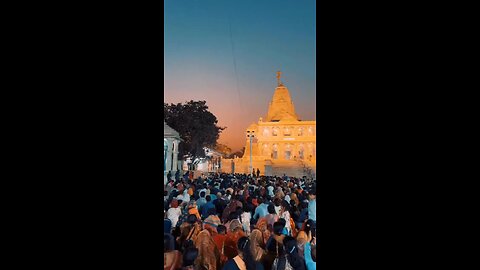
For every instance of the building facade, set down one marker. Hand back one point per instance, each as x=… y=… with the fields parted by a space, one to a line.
x=282 y=143
x=171 y=140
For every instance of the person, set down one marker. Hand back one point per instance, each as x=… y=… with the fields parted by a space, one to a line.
x=274 y=245
x=172 y=259
x=262 y=226
x=302 y=240
x=303 y=217
x=207 y=207
x=169 y=175
x=292 y=257
x=219 y=240
x=285 y=214
x=245 y=217
x=235 y=232
x=193 y=210
x=244 y=260
x=258 y=173
x=174 y=212
x=177 y=175
x=189 y=257
x=212 y=222
x=261 y=210
x=202 y=200
x=208 y=253
x=272 y=216
x=312 y=206
x=257 y=245
x=189 y=230
x=309 y=253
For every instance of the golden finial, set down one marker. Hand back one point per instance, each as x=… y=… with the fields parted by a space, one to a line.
x=279 y=75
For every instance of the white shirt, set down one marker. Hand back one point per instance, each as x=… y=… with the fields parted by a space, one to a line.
x=270 y=191
x=173 y=214
x=286 y=215
x=246 y=221
x=186 y=196
x=277 y=209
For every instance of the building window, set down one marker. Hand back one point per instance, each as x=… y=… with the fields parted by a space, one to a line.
x=287 y=132
x=310 y=131
x=300 y=132
x=274 y=154
x=274 y=131
x=287 y=154
x=265 y=132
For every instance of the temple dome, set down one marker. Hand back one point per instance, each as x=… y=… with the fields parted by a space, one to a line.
x=281 y=107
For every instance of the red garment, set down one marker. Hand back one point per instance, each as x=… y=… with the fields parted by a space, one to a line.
x=219 y=240
x=231 y=243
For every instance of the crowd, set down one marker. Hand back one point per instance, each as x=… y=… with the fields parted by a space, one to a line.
x=239 y=221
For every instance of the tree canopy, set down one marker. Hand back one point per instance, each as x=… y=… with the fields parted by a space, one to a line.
x=196 y=125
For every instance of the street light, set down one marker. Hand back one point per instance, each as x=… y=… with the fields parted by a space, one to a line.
x=250 y=134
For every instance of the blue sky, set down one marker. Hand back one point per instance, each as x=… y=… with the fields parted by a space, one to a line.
x=238 y=83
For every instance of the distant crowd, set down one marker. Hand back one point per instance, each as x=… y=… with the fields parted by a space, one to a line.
x=239 y=221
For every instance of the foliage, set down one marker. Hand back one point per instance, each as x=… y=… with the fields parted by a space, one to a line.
x=196 y=125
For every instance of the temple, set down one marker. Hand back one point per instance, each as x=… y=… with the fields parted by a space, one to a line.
x=282 y=143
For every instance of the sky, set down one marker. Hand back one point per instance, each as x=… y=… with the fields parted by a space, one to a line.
x=227 y=52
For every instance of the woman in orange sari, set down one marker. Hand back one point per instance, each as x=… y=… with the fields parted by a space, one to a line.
x=234 y=233
x=208 y=254
x=262 y=225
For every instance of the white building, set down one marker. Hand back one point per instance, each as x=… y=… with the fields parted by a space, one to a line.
x=171 y=140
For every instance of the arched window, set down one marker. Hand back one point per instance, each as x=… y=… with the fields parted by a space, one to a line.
x=266 y=132
x=301 y=151
x=288 y=151
x=275 y=131
x=287 y=131
x=265 y=149
x=300 y=131
x=275 y=152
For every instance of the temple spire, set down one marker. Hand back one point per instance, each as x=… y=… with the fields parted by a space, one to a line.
x=279 y=75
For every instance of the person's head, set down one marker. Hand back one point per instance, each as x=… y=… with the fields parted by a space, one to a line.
x=278 y=228
x=221 y=229
x=202 y=194
x=189 y=256
x=271 y=209
x=311 y=195
x=243 y=246
x=282 y=221
x=191 y=219
x=208 y=198
x=260 y=200
x=174 y=203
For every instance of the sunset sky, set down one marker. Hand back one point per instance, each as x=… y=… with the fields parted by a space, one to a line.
x=238 y=81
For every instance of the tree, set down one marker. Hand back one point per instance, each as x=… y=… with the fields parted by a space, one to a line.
x=238 y=153
x=196 y=125
x=223 y=149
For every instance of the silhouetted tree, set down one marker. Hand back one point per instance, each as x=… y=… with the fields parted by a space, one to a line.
x=196 y=125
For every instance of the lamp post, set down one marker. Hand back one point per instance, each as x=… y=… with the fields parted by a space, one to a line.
x=250 y=134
